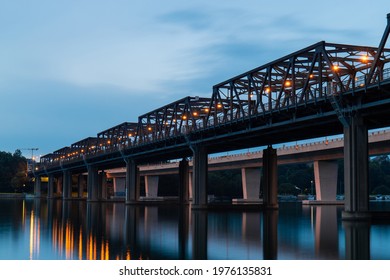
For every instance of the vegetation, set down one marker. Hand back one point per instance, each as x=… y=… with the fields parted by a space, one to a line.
x=13 y=169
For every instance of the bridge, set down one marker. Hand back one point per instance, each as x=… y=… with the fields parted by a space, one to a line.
x=323 y=89
x=323 y=154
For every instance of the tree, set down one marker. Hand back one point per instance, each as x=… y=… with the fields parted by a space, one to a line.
x=13 y=171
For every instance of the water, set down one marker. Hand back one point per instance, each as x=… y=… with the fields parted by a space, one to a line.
x=56 y=229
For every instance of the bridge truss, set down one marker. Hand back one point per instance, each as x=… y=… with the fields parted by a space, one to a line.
x=321 y=73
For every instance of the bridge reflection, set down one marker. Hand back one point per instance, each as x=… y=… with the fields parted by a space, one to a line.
x=95 y=231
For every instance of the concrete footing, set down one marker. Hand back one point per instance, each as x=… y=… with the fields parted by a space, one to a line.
x=323 y=202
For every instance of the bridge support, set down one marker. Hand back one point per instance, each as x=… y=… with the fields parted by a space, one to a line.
x=67 y=184
x=251 y=178
x=200 y=169
x=103 y=185
x=270 y=178
x=50 y=186
x=92 y=184
x=325 y=176
x=37 y=186
x=184 y=181
x=132 y=182
x=59 y=186
x=356 y=169
x=119 y=185
x=80 y=185
x=151 y=186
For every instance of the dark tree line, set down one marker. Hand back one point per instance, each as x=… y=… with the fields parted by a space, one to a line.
x=13 y=172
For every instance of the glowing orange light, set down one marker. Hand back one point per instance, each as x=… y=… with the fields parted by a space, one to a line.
x=130 y=134
x=108 y=142
x=287 y=83
x=149 y=128
x=267 y=90
x=195 y=114
x=219 y=105
x=311 y=76
x=206 y=110
x=335 y=67
x=365 y=58
x=184 y=117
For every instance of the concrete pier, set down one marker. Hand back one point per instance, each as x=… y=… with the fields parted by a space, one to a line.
x=200 y=170
x=92 y=184
x=184 y=182
x=270 y=178
x=356 y=169
x=132 y=182
x=151 y=186
x=67 y=184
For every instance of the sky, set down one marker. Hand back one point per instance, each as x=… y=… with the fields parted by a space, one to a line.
x=70 y=69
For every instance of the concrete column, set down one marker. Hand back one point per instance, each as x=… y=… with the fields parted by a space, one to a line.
x=50 y=186
x=325 y=176
x=103 y=185
x=132 y=182
x=356 y=169
x=200 y=169
x=119 y=186
x=251 y=178
x=81 y=185
x=270 y=178
x=151 y=186
x=37 y=186
x=59 y=185
x=184 y=181
x=92 y=184
x=67 y=184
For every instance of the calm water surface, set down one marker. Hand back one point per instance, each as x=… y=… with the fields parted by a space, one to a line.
x=56 y=229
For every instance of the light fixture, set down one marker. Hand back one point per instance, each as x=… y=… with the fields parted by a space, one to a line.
x=364 y=58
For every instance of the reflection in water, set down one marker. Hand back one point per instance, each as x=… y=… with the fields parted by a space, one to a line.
x=326 y=232
x=56 y=229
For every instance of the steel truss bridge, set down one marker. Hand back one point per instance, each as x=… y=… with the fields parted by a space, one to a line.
x=321 y=90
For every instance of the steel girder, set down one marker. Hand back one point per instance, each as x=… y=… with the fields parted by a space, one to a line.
x=180 y=117
x=118 y=137
x=319 y=72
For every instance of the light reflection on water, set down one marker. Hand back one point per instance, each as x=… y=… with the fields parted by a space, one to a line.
x=56 y=229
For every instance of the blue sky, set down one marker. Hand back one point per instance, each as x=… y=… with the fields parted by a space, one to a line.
x=72 y=68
